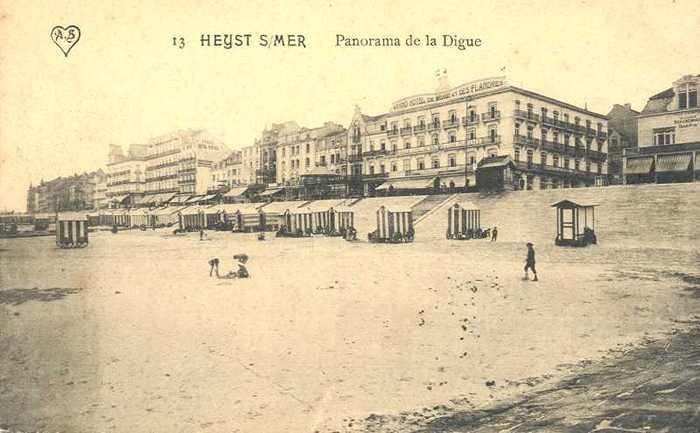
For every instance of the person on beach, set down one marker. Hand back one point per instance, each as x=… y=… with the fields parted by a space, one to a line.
x=242 y=271
x=214 y=267
x=201 y=234
x=494 y=234
x=530 y=262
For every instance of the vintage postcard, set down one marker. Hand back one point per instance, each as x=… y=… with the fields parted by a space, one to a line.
x=350 y=216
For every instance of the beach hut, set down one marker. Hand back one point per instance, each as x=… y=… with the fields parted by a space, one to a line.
x=138 y=217
x=121 y=218
x=44 y=221
x=464 y=222
x=297 y=222
x=192 y=218
x=72 y=230
x=575 y=223
x=394 y=225
x=249 y=218
x=321 y=218
x=273 y=213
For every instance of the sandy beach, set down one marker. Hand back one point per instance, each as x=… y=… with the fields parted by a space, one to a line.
x=131 y=334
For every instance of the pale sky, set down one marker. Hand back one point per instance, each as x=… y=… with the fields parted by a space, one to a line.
x=124 y=81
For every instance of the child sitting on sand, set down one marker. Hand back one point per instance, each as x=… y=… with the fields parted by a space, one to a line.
x=242 y=271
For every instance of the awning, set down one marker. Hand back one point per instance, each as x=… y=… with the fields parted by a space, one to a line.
x=271 y=192
x=670 y=163
x=119 y=198
x=194 y=199
x=180 y=199
x=460 y=181
x=501 y=163
x=236 y=191
x=639 y=165
x=697 y=161
x=208 y=197
x=409 y=183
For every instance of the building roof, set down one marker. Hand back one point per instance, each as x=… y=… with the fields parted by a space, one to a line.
x=659 y=102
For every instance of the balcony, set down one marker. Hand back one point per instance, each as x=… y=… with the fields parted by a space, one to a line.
x=419 y=128
x=378 y=152
x=449 y=124
x=392 y=132
x=355 y=158
x=526 y=141
x=552 y=146
x=434 y=126
x=527 y=115
x=550 y=169
x=549 y=121
x=356 y=138
x=484 y=141
x=470 y=121
x=591 y=132
x=490 y=116
x=406 y=130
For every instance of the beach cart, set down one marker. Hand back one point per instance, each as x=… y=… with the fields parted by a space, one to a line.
x=273 y=213
x=72 y=230
x=394 y=225
x=249 y=219
x=298 y=223
x=464 y=222
x=139 y=218
x=343 y=223
x=575 y=224
x=192 y=219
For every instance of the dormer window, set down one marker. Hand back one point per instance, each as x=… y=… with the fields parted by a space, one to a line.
x=687 y=96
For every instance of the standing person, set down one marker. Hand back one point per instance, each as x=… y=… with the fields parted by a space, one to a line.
x=214 y=266
x=494 y=234
x=530 y=262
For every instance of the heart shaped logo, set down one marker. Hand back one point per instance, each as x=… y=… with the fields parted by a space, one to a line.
x=65 y=38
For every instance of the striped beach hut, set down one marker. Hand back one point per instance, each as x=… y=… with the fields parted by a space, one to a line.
x=138 y=217
x=322 y=218
x=249 y=218
x=394 y=225
x=72 y=230
x=273 y=213
x=299 y=221
x=192 y=218
x=463 y=221
x=121 y=218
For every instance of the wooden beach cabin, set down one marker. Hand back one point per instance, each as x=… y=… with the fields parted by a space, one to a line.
x=394 y=225
x=464 y=221
x=71 y=230
x=298 y=222
x=575 y=224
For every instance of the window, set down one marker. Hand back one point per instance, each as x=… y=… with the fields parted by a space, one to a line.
x=492 y=109
x=664 y=136
x=371 y=169
x=323 y=159
x=382 y=145
x=407 y=144
x=516 y=154
x=382 y=168
x=567 y=163
x=406 y=164
x=577 y=165
x=421 y=141
x=529 y=158
x=308 y=162
x=308 y=147
x=543 y=158
x=472 y=116
x=393 y=166
x=453 y=117
x=472 y=159
x=332 y=159
x=421 y=164
x=493 y=133
x=529 y=132
x=436 y=140
x=407 y=123
x=436 y=120
x=692 y=97
x=517 y=130
x=588 y=166
x=421 y=121
x=393 y=146
x=452 y=137
x=555 y=137
x=452 y=160
x=471 y=133
x=555 y=160
x=436 y=163
x=394 y=126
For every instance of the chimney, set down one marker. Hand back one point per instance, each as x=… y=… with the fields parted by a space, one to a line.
x=628 y=106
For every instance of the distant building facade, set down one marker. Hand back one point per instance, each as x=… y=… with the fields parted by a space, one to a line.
x=126 y=175
x=182 y=162
x=436 y=141
x=668 y=135
x=72 y=193
x=622 y=134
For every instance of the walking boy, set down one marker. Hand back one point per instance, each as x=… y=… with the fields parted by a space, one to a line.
x=494 y=234
x=530 y=262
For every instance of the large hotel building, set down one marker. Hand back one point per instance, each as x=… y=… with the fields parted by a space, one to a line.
x=484 y=133
x=669 y=137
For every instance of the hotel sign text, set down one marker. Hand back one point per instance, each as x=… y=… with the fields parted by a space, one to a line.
x=467 y=89
x=688 y=121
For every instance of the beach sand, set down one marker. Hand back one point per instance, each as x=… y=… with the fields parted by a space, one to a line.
x=131 y=334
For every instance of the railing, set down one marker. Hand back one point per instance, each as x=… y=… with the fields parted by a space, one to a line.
x=596 y=155
x=470 y=121
x=355 y=158
x=602 y=134
x=419 y=128
x=484 y=141
x=552 y=146
x=551 y=169
x=452 y=123
x=549 y=121
x=679 y=147
x=526 y=141
x=433 y=126
x=527 y=115
x=490 y=115
x=406 y=130
x=392 y=132
x=591 y=132
x=375 y=152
